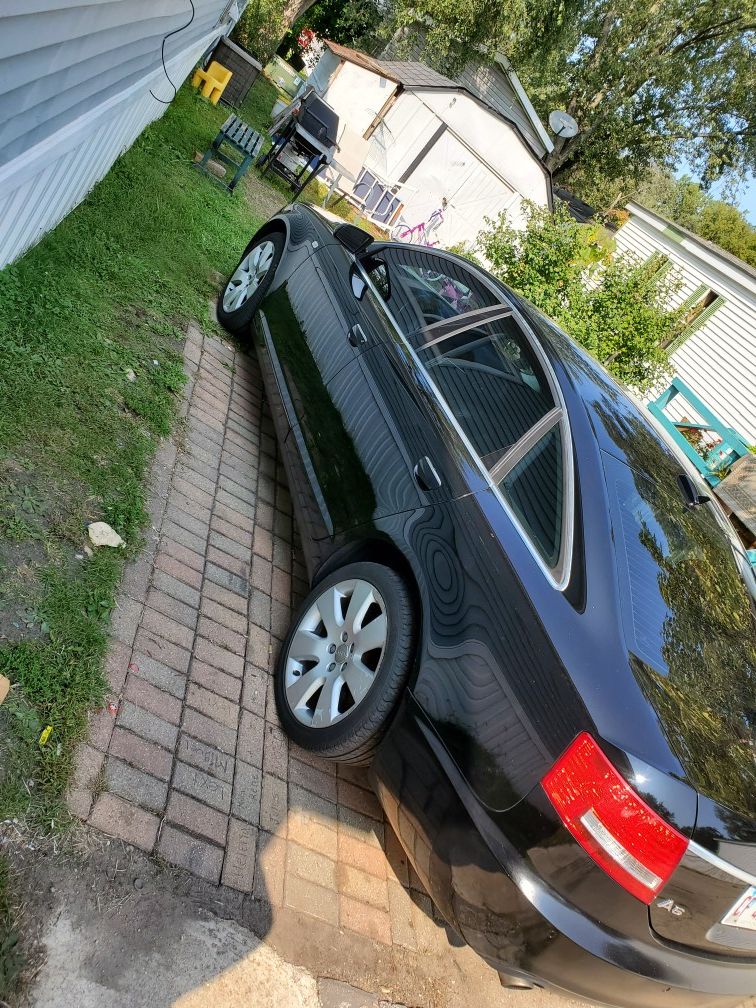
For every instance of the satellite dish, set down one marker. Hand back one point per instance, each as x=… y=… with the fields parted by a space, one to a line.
x=562 y=124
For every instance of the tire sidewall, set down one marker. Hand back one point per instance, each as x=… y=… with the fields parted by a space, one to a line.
x=240 y=320
x=389 y=676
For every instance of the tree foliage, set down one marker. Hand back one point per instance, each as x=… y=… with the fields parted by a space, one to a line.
x=361 y=24
x=648 y=82
x=685 y=202
x=261 y=27
x=613 y=305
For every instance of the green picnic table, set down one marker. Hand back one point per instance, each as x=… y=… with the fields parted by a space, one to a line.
x=242 y=138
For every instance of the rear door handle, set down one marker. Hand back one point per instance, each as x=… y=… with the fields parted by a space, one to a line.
x=426 y=476
x=357 y=337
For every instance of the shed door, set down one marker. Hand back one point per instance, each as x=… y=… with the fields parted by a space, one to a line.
x=473 y=192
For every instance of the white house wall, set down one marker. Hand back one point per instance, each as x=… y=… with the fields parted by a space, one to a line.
x=75 y=86
x=357 y=95
x=718 y=361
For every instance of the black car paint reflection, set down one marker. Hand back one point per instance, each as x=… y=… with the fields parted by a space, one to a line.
x=509 y=669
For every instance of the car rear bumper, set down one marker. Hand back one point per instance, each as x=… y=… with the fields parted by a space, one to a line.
x=509 y=915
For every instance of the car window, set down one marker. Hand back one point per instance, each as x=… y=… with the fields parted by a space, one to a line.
x=421 y=288
x=491 y=380
x=534 y=489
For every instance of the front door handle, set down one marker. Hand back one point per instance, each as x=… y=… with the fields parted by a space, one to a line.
x=357 y=337
x=426 y=476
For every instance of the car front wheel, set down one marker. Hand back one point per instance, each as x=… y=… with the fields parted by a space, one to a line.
x=247 y=285
x=345 y=662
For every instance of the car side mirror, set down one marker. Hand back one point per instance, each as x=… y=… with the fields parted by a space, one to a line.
x=353 y=238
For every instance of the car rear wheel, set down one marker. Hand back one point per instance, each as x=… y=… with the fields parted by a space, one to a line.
x=246 y=286
x=345 y=662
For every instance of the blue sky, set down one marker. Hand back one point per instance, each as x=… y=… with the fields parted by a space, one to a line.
x=745 y=198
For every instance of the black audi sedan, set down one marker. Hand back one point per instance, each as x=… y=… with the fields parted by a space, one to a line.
x=525 y=615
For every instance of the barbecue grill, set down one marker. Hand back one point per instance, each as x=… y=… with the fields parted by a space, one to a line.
x=307 y=128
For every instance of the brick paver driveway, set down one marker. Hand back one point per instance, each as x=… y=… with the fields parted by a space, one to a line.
x=188 y=761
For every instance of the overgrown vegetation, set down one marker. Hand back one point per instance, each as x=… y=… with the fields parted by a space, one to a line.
x=10 y=959
x=261 y=27
x=613 y=305
x=91 y=334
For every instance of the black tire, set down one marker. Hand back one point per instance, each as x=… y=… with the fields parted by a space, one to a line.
x=354 y=738
x=238 y=321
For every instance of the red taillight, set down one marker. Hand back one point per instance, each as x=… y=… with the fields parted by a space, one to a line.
x=611 y=822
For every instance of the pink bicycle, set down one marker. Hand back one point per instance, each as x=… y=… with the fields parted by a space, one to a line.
x=419 y=234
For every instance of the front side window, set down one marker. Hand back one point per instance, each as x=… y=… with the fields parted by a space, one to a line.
x=421 y=288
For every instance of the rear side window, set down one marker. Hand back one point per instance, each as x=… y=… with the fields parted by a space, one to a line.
x=534 y=488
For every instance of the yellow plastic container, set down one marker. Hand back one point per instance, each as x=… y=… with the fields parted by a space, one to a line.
x=213 y=81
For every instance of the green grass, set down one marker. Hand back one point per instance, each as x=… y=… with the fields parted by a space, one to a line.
x=107 y=292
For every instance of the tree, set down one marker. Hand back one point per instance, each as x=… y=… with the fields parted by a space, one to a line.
x=360 y=24
x=260 y=27
x=613 y=305
x=647 y=81
x=685 y=202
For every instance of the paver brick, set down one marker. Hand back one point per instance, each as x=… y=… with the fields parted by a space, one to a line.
x=198 y=856
x=224 y=596
x=142 y=754
x=197 y=817
x=281 y=588
x=229 y=562
x=270 y=868
x=101 y=724
x=280 y=619
x=396 y=857
x=167 y=653
x=230 y=547
x=192 y=492
x=172 y=607
x=200 y=785
x=258 y=647
x=176 y=588
x=135 y=785
x=311 y=899
x=249 y=745
x=310 y=865
x=125 y=618
x=273 y=809
x=247 y=792
x=147 y=725
x=167 y=628
x=178 y=500
x=262 y=574
x=152 y=698
x=223 y=636
x=312 y=778
x=116 y=664
x=254 y=690
x=401 y=915
x=228 y=514
x=223 y=616
x=359 y=799
x=263 y=543
x=313 y=833
x=213 y=679
x=189 y=557
x=226 y=579
x=276 y=752
x=239 y=862
x=188 y=521
x=373 y=923
x=212 y=705
x=232 y=533
x=196 y=479
x=118 y=818
x=205 y=757
x=366 y=857
x=212 y=732
x=177 y=534
x=159 y=675
x=260 y=609
x=361 y=827
x=243 y=491
x=219 y=657
x=362 y=886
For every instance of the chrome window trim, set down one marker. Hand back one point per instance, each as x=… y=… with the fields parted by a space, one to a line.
x=527 y=442
x=720 y=864
x=455 y=330
x=558 y=576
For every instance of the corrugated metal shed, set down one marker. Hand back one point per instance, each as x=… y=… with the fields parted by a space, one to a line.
x=75 y=83
x=718 y=358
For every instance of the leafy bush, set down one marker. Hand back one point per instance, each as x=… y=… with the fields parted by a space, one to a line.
x=613 y=305
x=261 y=28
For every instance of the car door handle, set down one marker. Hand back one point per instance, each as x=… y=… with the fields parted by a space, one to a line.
x=426 y=476
x=357 y=337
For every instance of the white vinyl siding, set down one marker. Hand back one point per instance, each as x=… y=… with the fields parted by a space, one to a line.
x=75 y=86
x=716 y=356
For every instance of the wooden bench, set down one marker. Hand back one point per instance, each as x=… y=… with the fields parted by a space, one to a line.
x=241 y=138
